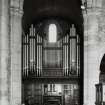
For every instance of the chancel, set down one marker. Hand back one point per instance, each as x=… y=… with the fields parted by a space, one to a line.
x=52 y=52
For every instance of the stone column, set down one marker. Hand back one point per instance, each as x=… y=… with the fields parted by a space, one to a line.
x=91 y=55
x=4 y=53
x=16 y=35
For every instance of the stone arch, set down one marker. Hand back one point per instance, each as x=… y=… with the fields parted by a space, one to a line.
x=102 y=65
x=102 y=69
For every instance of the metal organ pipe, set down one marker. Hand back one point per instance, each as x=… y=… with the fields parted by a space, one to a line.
x=60 y=62
x=25 y=67
x=24 y=59
x=78 y=55
x=27 y=55
x=73 y=48
x=34 y=45
x=70 y=51
x=67 y=52
x=25 y=63
x=32 y=39
x=41 y=58
x=45 y=54
x=63 y=58
x=23 y=56
x=30 y=50
x=58 y=55
x=37 y=56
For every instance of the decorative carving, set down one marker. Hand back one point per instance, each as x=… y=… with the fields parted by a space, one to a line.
x=16 y=7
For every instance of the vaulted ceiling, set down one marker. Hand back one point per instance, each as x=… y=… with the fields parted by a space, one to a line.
x=69 y=10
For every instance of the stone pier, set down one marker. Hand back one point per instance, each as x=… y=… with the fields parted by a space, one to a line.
x=16 y=12
x=4 y=53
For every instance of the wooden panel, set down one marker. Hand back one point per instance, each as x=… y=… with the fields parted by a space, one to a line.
x=71 y=94
x=33 y=93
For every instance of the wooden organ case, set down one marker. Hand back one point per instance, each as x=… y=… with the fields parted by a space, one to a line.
x=42 y=59
x=58 y=61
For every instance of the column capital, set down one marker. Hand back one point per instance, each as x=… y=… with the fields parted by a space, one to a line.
x=16 y=7
x=16 y=11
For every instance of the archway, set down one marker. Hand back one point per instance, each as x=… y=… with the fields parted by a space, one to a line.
x=64 y=69
x=102 y=70
x=16 y=13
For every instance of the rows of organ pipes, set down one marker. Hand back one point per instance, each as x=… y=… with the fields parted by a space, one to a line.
x=71 y=53
x=32 y=53
x=35 y=55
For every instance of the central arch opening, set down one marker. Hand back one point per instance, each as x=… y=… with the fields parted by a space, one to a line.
x=52 y=55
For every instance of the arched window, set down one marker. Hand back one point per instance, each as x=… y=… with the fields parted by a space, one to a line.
x=52 y=33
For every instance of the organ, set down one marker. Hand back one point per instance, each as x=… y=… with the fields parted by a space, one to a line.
x=43 y=59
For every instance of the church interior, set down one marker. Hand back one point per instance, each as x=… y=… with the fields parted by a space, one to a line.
x=52 y=52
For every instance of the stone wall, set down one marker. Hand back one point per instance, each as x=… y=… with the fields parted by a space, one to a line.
x=93 y=48
x=10 y=49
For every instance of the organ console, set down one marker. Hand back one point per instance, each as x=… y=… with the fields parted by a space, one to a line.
x=42 y=59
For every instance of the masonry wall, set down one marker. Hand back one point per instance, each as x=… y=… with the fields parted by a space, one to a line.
x=93 y=48
x=10 y=49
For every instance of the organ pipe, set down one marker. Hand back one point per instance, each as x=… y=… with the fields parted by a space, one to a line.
x=63 y=57
x=70 y=50
x=41 y=57
x=78 y=55
x=67 y=54
x=37 y=57
x=25 y=66
x=30 y=51
x=34 y=53
x=23 y=56
x=58 y=55
x=73 y=49
x=27 y=56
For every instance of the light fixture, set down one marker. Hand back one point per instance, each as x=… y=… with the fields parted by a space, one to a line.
x=52 y=33
x=84 y=5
